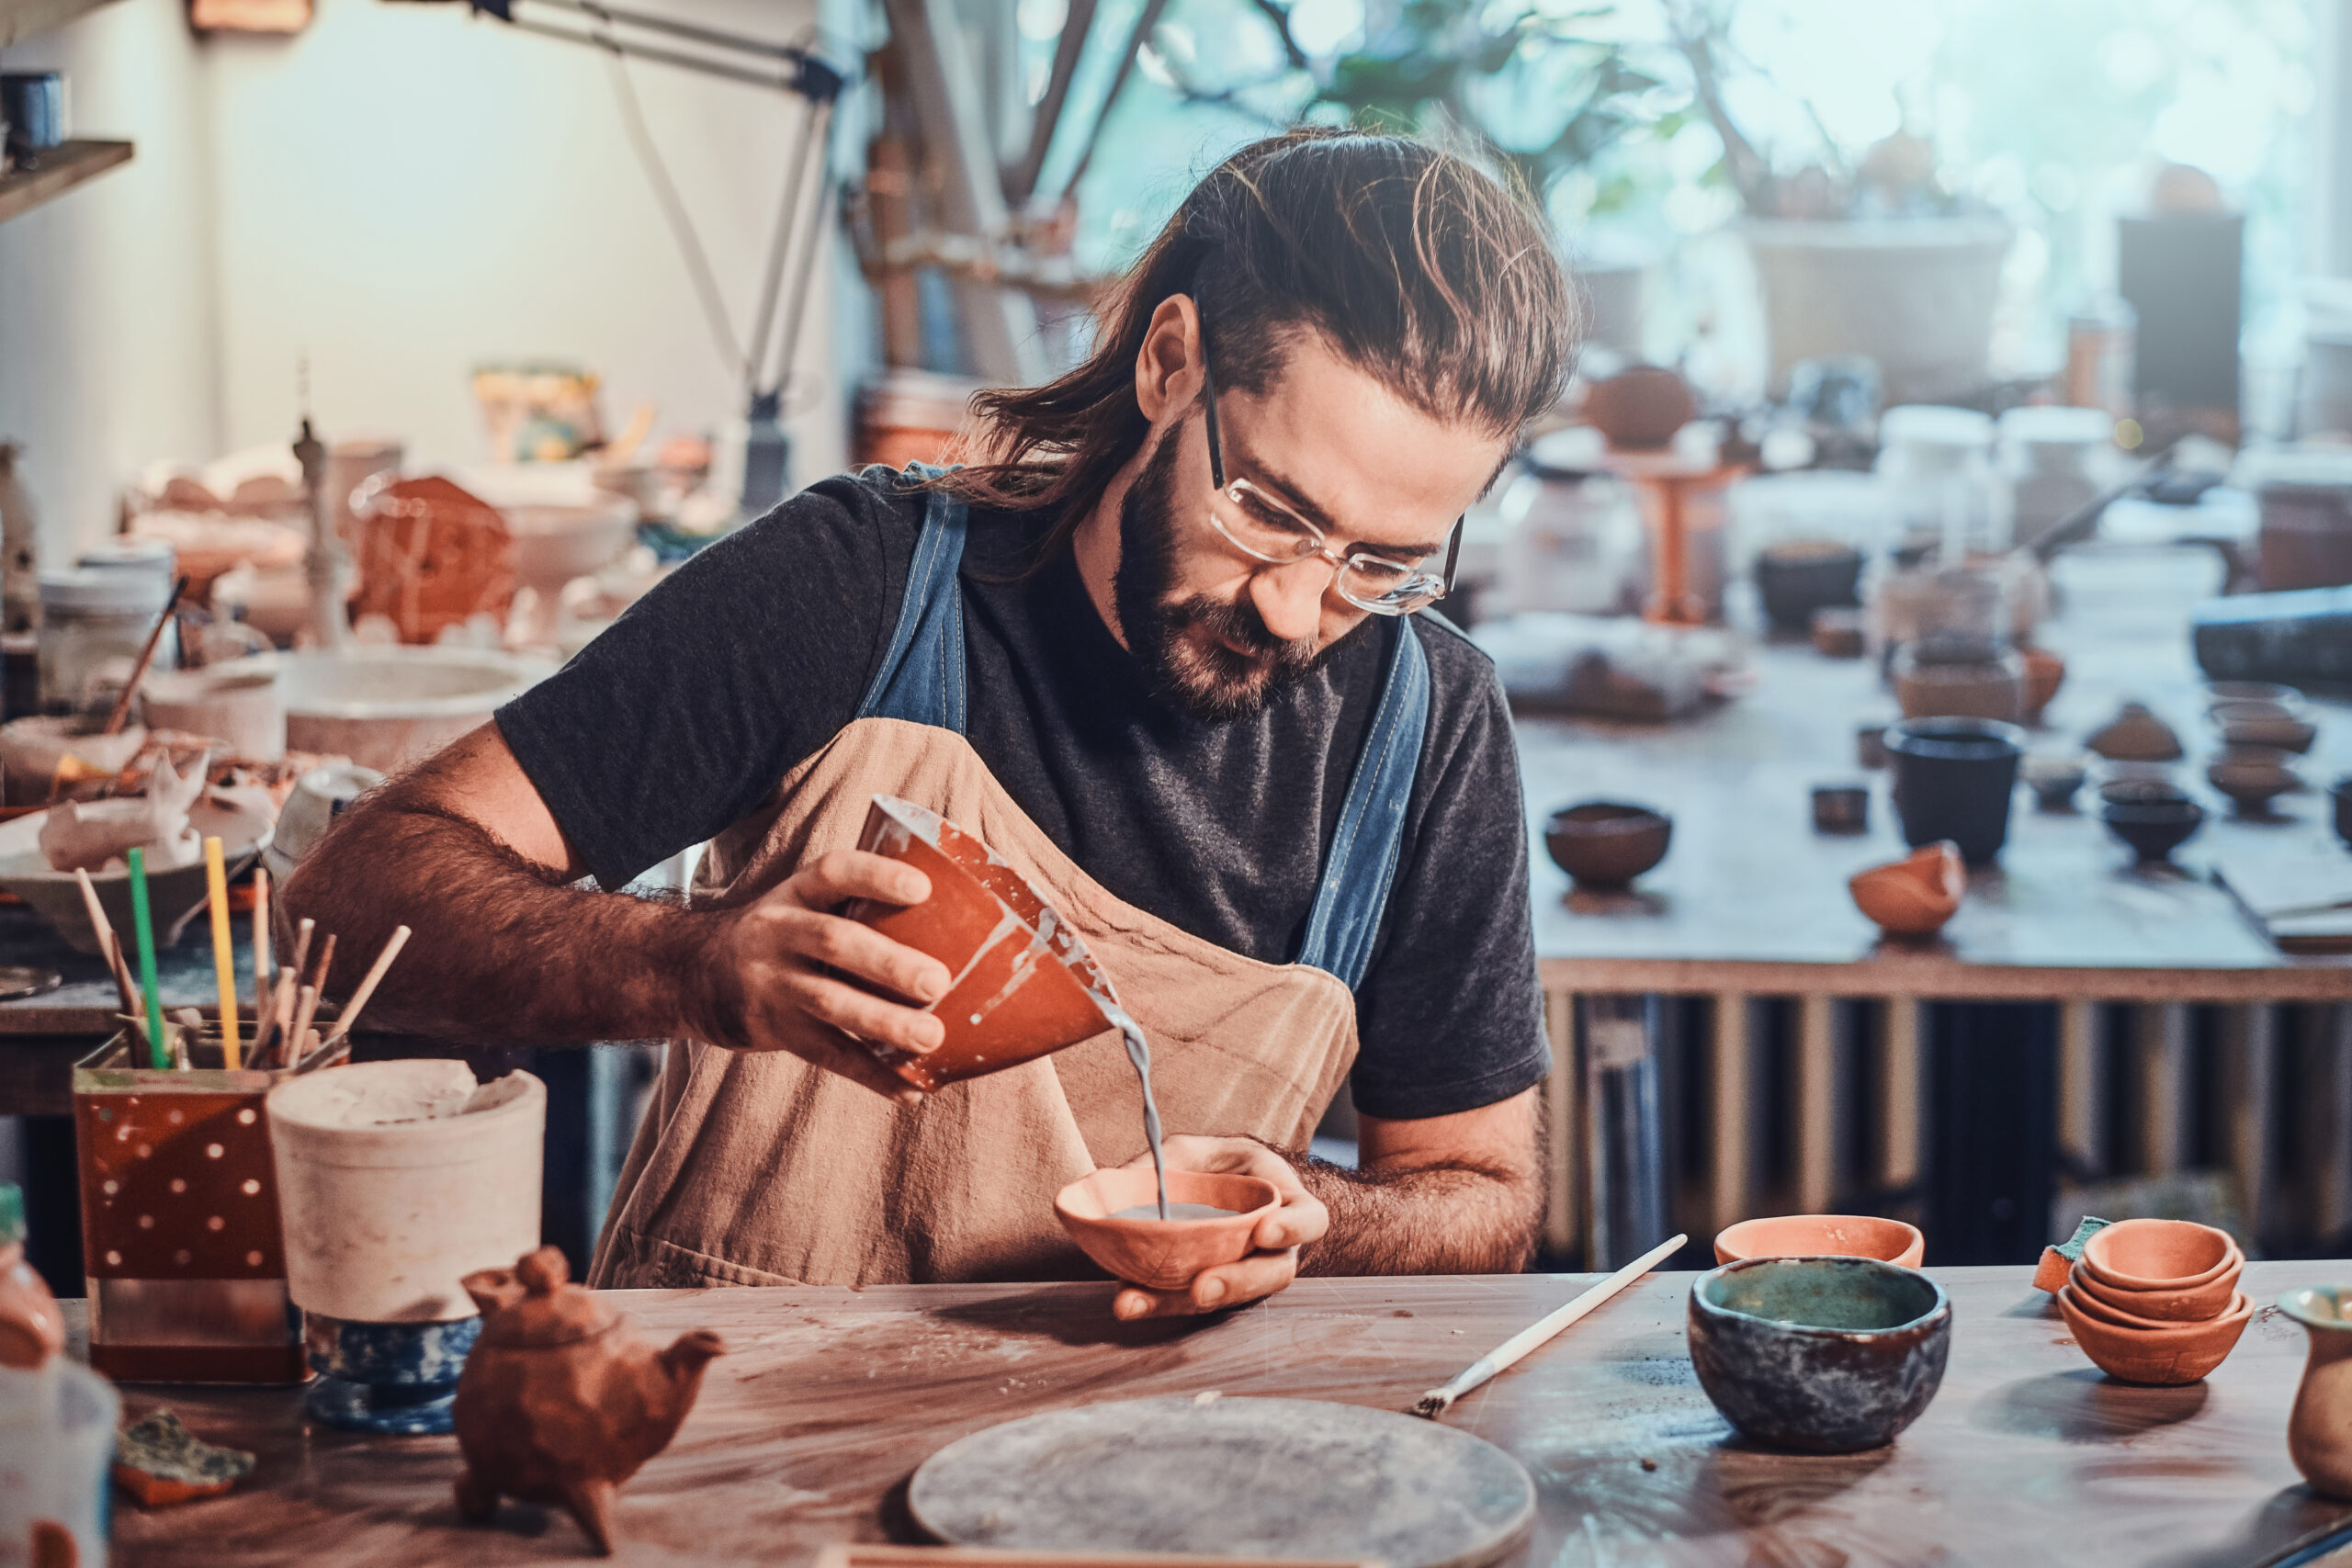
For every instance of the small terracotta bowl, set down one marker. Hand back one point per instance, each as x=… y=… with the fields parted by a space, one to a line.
x=1163 y=1254
x=2155 y=1309
x=2183 y=1353
x=1606 y=843
x=1823 y=1236
x=2160 y=1255
x=1914 y=896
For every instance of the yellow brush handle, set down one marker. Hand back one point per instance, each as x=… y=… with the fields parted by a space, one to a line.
x=215 y=885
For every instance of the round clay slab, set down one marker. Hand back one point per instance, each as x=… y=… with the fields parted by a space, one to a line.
x=1233 y=1477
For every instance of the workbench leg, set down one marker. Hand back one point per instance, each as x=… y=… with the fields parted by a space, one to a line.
x=2328 y=1104
x=1818 y=1117
x=2082 y=1088
x=2161 y=1050
x=2250 y=1075
x=1563 y=1188
x=1902 y=1096
x=1734 y=1109
x=1625 y=1202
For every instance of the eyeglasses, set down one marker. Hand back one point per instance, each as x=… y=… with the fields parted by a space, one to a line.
x=1265 y=529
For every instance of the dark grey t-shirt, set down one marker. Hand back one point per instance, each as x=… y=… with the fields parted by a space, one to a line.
x=681 y=718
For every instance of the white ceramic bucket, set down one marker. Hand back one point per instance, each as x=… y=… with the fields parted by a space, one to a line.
x=57 y=1425
x=383 y=1219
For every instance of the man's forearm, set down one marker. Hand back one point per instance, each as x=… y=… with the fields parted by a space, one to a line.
x=498 y=948
x=1457 y=1217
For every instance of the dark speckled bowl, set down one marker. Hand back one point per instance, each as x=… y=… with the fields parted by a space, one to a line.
x=1821 y=1355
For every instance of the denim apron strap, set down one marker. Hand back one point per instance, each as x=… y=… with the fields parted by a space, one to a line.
x=922 y=677
x=1363 y=860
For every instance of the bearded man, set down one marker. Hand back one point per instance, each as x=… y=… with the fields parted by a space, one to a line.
x=1164 y=651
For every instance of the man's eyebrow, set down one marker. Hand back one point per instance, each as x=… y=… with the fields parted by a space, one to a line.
x=1287 y=491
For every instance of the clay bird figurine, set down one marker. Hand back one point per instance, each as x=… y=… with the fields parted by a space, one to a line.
x=91 y=835
x=559 y=1402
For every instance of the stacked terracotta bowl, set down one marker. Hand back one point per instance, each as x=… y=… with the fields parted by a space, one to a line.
x=2157 y=1300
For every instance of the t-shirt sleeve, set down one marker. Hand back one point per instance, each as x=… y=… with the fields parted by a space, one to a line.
x=681 y=716
x=1449 y=1015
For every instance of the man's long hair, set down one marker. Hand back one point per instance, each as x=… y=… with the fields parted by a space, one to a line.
x=1407 y=262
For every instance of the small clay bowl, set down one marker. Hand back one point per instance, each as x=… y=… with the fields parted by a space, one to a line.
x=1841 y=809
x=1797 y=577
x=1641 y=407
x=2055 y=779
x=1163 y=1254
x=1837 y=632
x=1821 y=1355
x=1823 y=1236
x=1869 y=745
x=2159 y=1255
x=2153 y=828
x=1606 y=844
x=2256 y=723
x=2159 y=1309
x=2253 y=776
x=2184 y=1353
x=1914 y=895
x=2218 y=693
x=2136 y=735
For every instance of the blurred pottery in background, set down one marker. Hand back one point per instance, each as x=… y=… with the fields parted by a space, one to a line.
x=1838 y=633
x=2218 y=693
x=2136 y=735
x=1823 y=1236
x=1841 y=809
x=1914 y=895
x=317 y=799
x=2153 y=817
x=2252 y=776
x=1869 y=745
x=1163 y=1254
x=984 y=922
x=2054 y=779
x=1821 y=1355
x=2264 y=724
x=2339 y=795
x=1796 y=578
x=2044 y=673
x=1641 y=407
x=237 y=702
x=1604 y=844
x=1931 y=686
x=2319 y=1431
x=1953 y=779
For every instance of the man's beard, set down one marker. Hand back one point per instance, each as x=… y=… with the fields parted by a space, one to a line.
x=1187 y=646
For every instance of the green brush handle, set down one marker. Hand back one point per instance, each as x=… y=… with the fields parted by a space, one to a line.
x=142 y=925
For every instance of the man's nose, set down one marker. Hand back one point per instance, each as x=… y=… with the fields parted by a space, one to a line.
x=1290 y=598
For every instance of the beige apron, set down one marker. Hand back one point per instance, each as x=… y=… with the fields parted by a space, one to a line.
x=759 y=1169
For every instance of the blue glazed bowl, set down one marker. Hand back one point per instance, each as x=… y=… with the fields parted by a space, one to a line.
x=1821 y=1355
x=394 y=1378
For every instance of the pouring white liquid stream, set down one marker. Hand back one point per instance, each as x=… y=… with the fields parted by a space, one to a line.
x=1140 y=1052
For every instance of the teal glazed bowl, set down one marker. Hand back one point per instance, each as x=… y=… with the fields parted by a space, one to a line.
x=1821 y=1355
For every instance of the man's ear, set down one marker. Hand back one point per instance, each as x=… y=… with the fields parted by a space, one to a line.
x=1168 y=368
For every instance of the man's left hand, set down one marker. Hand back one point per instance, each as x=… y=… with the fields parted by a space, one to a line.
x=1273 y=1265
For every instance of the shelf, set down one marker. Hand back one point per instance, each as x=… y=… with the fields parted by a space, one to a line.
x=21 y=19
x=61 y=168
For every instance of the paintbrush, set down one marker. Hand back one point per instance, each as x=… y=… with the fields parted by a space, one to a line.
x=122 y=710
x=260 y=965
x=142 y=926
x=1435 y=1403
x=225 y=950
x=107 y=945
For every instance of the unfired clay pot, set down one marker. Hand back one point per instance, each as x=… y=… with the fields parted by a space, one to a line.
x=2136 y=735
x=2158 y=1255
x=1163 y=1254
x=2319 y=1432
x=1026 y=984
x=559 y=1403
x=1641 y=407
x=1914 y=895
x=2180 y=1354
x=1823 y=1236
x=2044 y=673
x=2187 y=1304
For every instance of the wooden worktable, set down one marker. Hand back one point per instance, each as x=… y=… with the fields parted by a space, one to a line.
x=830 y=1398
x=1751 y=898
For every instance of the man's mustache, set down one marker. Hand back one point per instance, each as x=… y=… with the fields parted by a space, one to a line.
x=1239 y=627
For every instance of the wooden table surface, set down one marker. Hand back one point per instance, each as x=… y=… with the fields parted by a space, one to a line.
x=829 y=1399
x=1750 y=897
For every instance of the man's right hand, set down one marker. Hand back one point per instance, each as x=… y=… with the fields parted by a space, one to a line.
x=779 y=974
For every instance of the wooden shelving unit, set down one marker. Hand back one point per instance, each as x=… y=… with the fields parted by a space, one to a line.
x=61 y=168
x=20 y=19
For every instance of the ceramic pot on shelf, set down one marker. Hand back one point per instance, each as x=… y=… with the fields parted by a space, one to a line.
x=1953 y=778
x=2319 y=1429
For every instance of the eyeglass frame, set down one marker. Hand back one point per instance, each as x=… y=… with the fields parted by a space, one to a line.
x=1340 y=563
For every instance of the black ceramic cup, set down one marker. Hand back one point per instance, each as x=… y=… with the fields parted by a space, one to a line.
x=2340 y=792
x=1953 y=778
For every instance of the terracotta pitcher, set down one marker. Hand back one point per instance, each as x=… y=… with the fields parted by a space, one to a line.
x=2319 y=1432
